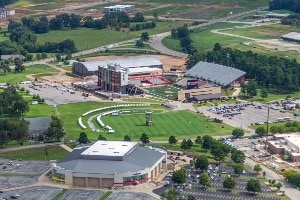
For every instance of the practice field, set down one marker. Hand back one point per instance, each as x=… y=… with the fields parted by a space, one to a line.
x=180 y=123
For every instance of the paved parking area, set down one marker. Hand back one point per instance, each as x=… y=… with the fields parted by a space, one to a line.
x=24 y=167
x=248 y=115
x=21 y=173
x=34 y=193
x=55 y=94
x=77 y=194
x=216 y=192
x=129 y=196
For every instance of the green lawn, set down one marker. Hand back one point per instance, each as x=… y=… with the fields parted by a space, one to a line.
x=87 y=38
x=274 y=31
x=180 y=123
x=272 y=95
x=13 y=77
x=38 y=153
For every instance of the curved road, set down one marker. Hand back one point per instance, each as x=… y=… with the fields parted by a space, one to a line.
x=156 y=42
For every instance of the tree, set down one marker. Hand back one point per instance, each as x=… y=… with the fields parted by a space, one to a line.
x=253 y=185
x=139 y=43
x=257 y=168
x=189 y=143
x=19 y=67
x=229 y=183
x=218 y=153
x=179 y=176
x=237 y=156
x=3 y=138
x=205 y=180
x=155 y=15
x=83 y=139
x=55 y=131
x=202 y=162
x=260 y=130
x=190 y=197
x=144 y=138
x=172 y=140
x=138 y=17
x=264 y=173
x=101 y=137
x=238 y=168
x=198 y=140
x=252 y=88
x=238 y=132
x=292 y=177
x=145 y=36
x=206 y=142
x=264 y=93
x=170 y=194
x=184 y=145
x=127 y=138
x=278 y=186
x=217 y=47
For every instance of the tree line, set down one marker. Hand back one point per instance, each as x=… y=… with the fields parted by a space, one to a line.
x=292 y=20
x=281 y=74
x=13 y=130
x=183 y=34
x=11 y=102
x=291 y=5
x=289 y=127
x=115 y=20
x=6 y=2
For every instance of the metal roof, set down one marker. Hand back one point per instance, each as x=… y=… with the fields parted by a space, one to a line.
x=291 y=35
x=219 y=74
x=130 y=62
x=139 y=159
x=204 y=97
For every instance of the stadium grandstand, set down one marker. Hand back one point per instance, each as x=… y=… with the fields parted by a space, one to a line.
x=216 y=74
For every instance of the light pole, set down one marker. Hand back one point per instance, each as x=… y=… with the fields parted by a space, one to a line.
x=267 y=126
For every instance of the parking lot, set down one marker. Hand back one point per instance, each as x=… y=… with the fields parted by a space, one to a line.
x=55 y=94
x=34 y=193
x=216 y=192
x=246 y=114
x=21 y=172
x=129 y=196
x=77 y=194
x=46 y=193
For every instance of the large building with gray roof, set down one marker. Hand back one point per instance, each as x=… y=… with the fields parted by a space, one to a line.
x=215 y=73
x=110 y=163
x=134 y=65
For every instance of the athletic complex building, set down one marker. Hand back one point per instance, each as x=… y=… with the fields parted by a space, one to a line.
x=110 y=163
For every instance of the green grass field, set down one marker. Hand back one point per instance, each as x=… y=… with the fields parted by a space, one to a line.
x=180 y=123
x=274 y=31
x=13 y=77
x=38 y=153
x=272 y=95
x=87 y=38
x=165 y=92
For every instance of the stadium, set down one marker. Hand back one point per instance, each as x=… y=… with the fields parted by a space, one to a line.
x=110 y=163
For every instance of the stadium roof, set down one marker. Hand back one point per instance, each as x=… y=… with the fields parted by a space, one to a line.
x=291 y=36
x=130 y=62
x=219 y=74
x=138 y=159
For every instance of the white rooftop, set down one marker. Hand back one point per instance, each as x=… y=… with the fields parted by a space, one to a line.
x=119 y=6
x=144 y=69
x=292 y=35
x=109 y=148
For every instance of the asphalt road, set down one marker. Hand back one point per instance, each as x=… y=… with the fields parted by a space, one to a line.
x=156 y=39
